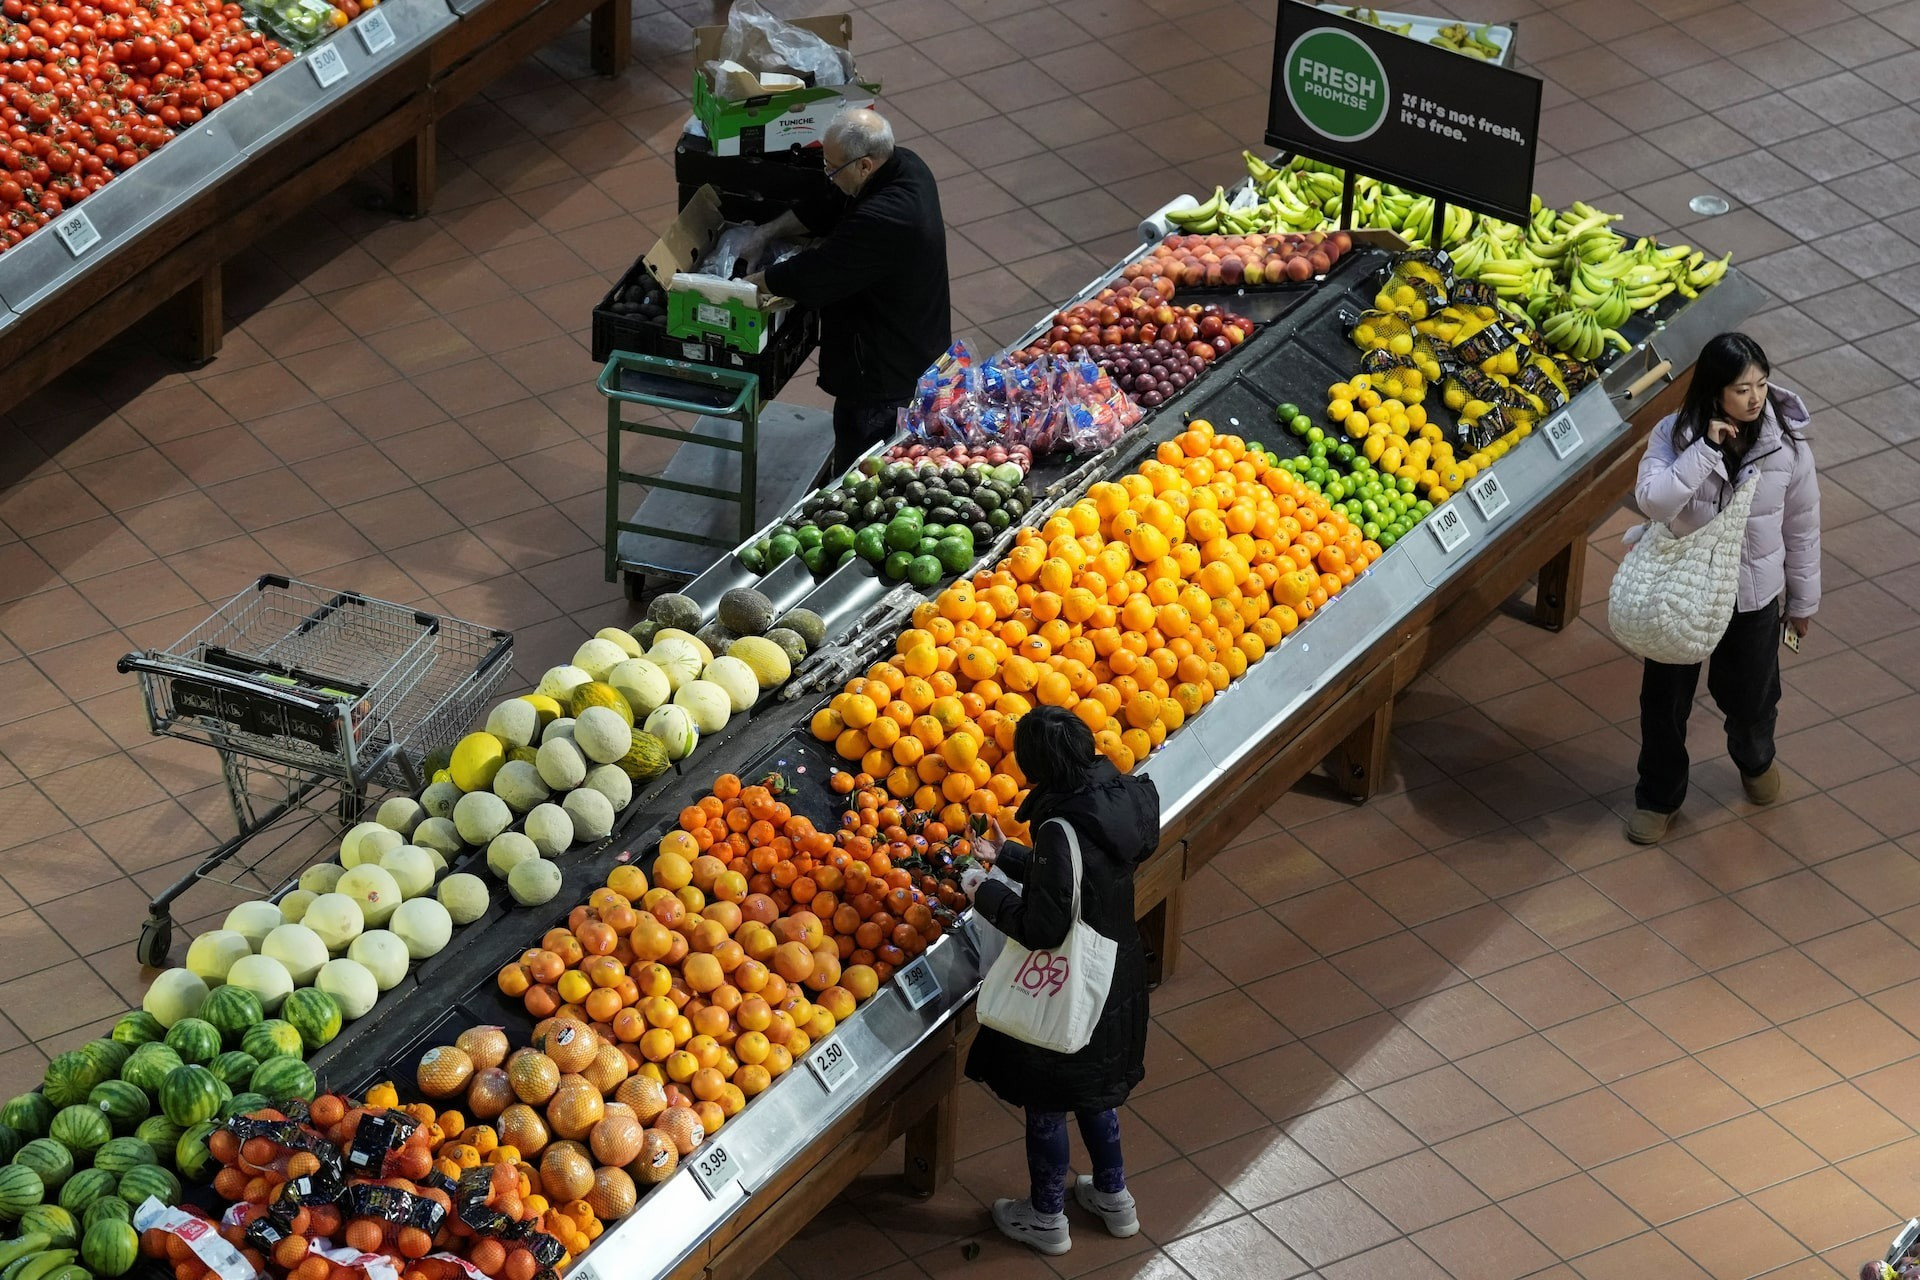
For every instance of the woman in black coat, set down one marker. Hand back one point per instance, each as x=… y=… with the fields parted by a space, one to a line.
x=1117 y=822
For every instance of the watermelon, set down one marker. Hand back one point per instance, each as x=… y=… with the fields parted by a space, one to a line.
x=149 y=1067
x=232 y=1010
x=81 y=1129
x=159 y=1133
x=137 y=1028
x=53 y=1222
x=86 y=1186
x=28 y=1115
x=234 y=1067
x=149 y=1180
x=195 y=1040
x=9 y=1143
x=282 y=1079
x=190 y=1155
x=122 y=1154
x=20 y=1190
x=314 y=1014
x=124 y=1105
x=274 y=1038
x=244 y=1104
x=108 y=1055
x=110 y=1248
x=70 y=1078
x=113 y=1208
x=191 y=1094
x=47 y=1158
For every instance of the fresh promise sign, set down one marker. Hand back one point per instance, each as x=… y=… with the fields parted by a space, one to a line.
x=1395 y=108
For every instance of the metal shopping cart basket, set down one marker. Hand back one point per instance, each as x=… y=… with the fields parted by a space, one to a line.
x=312 y=697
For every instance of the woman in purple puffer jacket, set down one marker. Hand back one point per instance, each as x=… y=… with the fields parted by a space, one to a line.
x=1732 y=426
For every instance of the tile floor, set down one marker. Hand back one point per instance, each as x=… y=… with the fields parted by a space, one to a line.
x=1464 y=1031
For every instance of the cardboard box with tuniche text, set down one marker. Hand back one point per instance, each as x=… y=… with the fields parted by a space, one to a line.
x=742 y=118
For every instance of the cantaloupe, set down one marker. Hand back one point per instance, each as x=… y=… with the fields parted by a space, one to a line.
x=321 y=877
x=400 y=813
x=424 y=925
x=602 y=736
x=520 y=785
x=377 y=892
x=294 y=904
x=438 y=800
x=175 y=994
x=642 y=684
x=611 y=781
x=374 y=842
x=411 y=868
x=561 y=765
x=678 y=658
x=693 y=637
x=212 y=953
x=561 y=728
x=742 y=687
x=476 y=758
x=352 y=986
x=675 y=729
x=253 y=921
x=596 y=657
x=480 y=816
x=709 y=705
x=509 y=849
x=620 y=640
x=337 y=919
x=299 y=948
x=534 y=883
x=441 y=836
x=265 y=976
x=559 y=681
x=464 y=896
x=550 y=828
x=514 y=722
x=591 y=812
x=384 y=956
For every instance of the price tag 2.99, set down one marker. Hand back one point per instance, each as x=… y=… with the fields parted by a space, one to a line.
x=77 y=232
x=376 y=33
x=1488 y=494
x=1449 y=527
x=832 y=1065
x=918 y=984
x=713 y=1168
x=1562 y=435
x=328 y=67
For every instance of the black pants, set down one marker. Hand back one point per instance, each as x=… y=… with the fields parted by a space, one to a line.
x=1743 y=675
x=858 y=425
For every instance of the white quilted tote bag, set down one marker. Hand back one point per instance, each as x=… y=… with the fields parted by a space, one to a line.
x=1672 y=597
x=1053 y=998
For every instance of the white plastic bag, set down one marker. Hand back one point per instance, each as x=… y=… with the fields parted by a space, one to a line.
x=761 y=42
x=1051 y=999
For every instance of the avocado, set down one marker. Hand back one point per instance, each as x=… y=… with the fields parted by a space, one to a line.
x=897 y=563
x=954 y=554
x=923 y=571
x=782 y=548
x=871 y=543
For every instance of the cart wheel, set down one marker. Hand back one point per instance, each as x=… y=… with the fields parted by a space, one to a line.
x=156 y=940
x=635 y=585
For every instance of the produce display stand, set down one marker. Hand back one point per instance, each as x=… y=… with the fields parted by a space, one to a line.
x=375 y=90
x=1325 y=697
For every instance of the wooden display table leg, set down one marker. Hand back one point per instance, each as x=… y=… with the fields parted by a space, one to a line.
x=1563 y=580
x=1159 y=905
x=416 y=173
x=610 y=37
x=1360 y=761
x=199 y=322
x=935 y=1136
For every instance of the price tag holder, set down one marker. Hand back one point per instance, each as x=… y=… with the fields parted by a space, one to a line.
x=328 y=67
x=918 y=984
x=77 y=232
x=832 y=1064
x=1563 y=437
x=713 y=1168
x=376 y=33
x=583 y=1271
x=1449 y=528
x=1488 y=495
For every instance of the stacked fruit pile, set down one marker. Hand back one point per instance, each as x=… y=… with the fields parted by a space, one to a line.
x=1238 y=258
x=1137 y=324
x=95 y=89
x=1133 y=608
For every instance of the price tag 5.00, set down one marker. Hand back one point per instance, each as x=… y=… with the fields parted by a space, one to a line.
x=832 y=1064
x=1488 y=494
x=713 y=1168
x=328 y=67
x=1563 y=437
x=376 y=33
x=918 y=984
x=1449 y=527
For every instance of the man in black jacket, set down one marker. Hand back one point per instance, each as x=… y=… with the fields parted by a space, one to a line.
x=878 y=277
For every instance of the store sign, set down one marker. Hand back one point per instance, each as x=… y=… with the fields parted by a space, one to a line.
x=1360 y=96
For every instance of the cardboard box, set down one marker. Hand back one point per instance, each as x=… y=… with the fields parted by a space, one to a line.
x=700 y=305
x=776 y=121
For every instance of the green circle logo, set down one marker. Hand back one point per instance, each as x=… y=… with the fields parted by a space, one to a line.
x=1337 y=85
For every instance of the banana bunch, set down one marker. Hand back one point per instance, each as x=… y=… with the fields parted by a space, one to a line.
x=1203 y=219
x=1475 y=42
x=1373 y=19
x=1578 y=332
x=33 y=1257
x=1418 y=226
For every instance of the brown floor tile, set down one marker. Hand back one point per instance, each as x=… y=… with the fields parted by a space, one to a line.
x=1632 y=962
x=1231 y=1248
x=1888 y=1175
x=1505 y=1159
x=1397 y=969
x=1199 y=1112
x=1374 y=1051
x=1593 y=1127
x=1613 y=1043
x=1783 y=985
x=1326 y=1224
x=1461 y=1020
x=1525 y=1074
x=1225 y=1028
x=1482 y=940
x=1839 y=1121
x=1485 y=1243
x=1853 y=1038
x=1547 y=991
x=1681 y=1097
x=1249 y=948
x=1768 y=1067
x=1566 y=912
x=1664 y=1183
x=1439 y=1104
x=1823 y=1209
x=1574 y=1216
x=1717 y=933
x=1312 y=998
x=1261 y=1168
x=1350 y=1135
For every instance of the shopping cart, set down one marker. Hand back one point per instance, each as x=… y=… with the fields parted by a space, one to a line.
x=312 y=697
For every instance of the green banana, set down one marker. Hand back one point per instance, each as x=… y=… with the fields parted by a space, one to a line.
x=14 y=1250
x=34 y=1266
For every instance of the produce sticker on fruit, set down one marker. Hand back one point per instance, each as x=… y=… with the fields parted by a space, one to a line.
x=1352 y=94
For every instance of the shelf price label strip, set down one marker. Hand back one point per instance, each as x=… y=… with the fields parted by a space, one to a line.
x=1489 y=495
x=714 y=1168
x=376 y=33
x=1449 y=528
x=328 y=67
x=918 y=984
x=77 y=232
x=832 y=1064
x=1563 y=437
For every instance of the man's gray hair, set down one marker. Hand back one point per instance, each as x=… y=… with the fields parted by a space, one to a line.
x=860 y=132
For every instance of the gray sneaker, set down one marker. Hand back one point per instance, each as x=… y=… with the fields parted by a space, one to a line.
x=1116 y=1210
x=1647 y=826
x=1020 y=1222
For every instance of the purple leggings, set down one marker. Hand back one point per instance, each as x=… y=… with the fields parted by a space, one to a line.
x=1048 y=1159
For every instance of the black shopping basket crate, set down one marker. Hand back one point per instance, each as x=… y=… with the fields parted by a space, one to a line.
x=793 y=340
x=753 y=188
